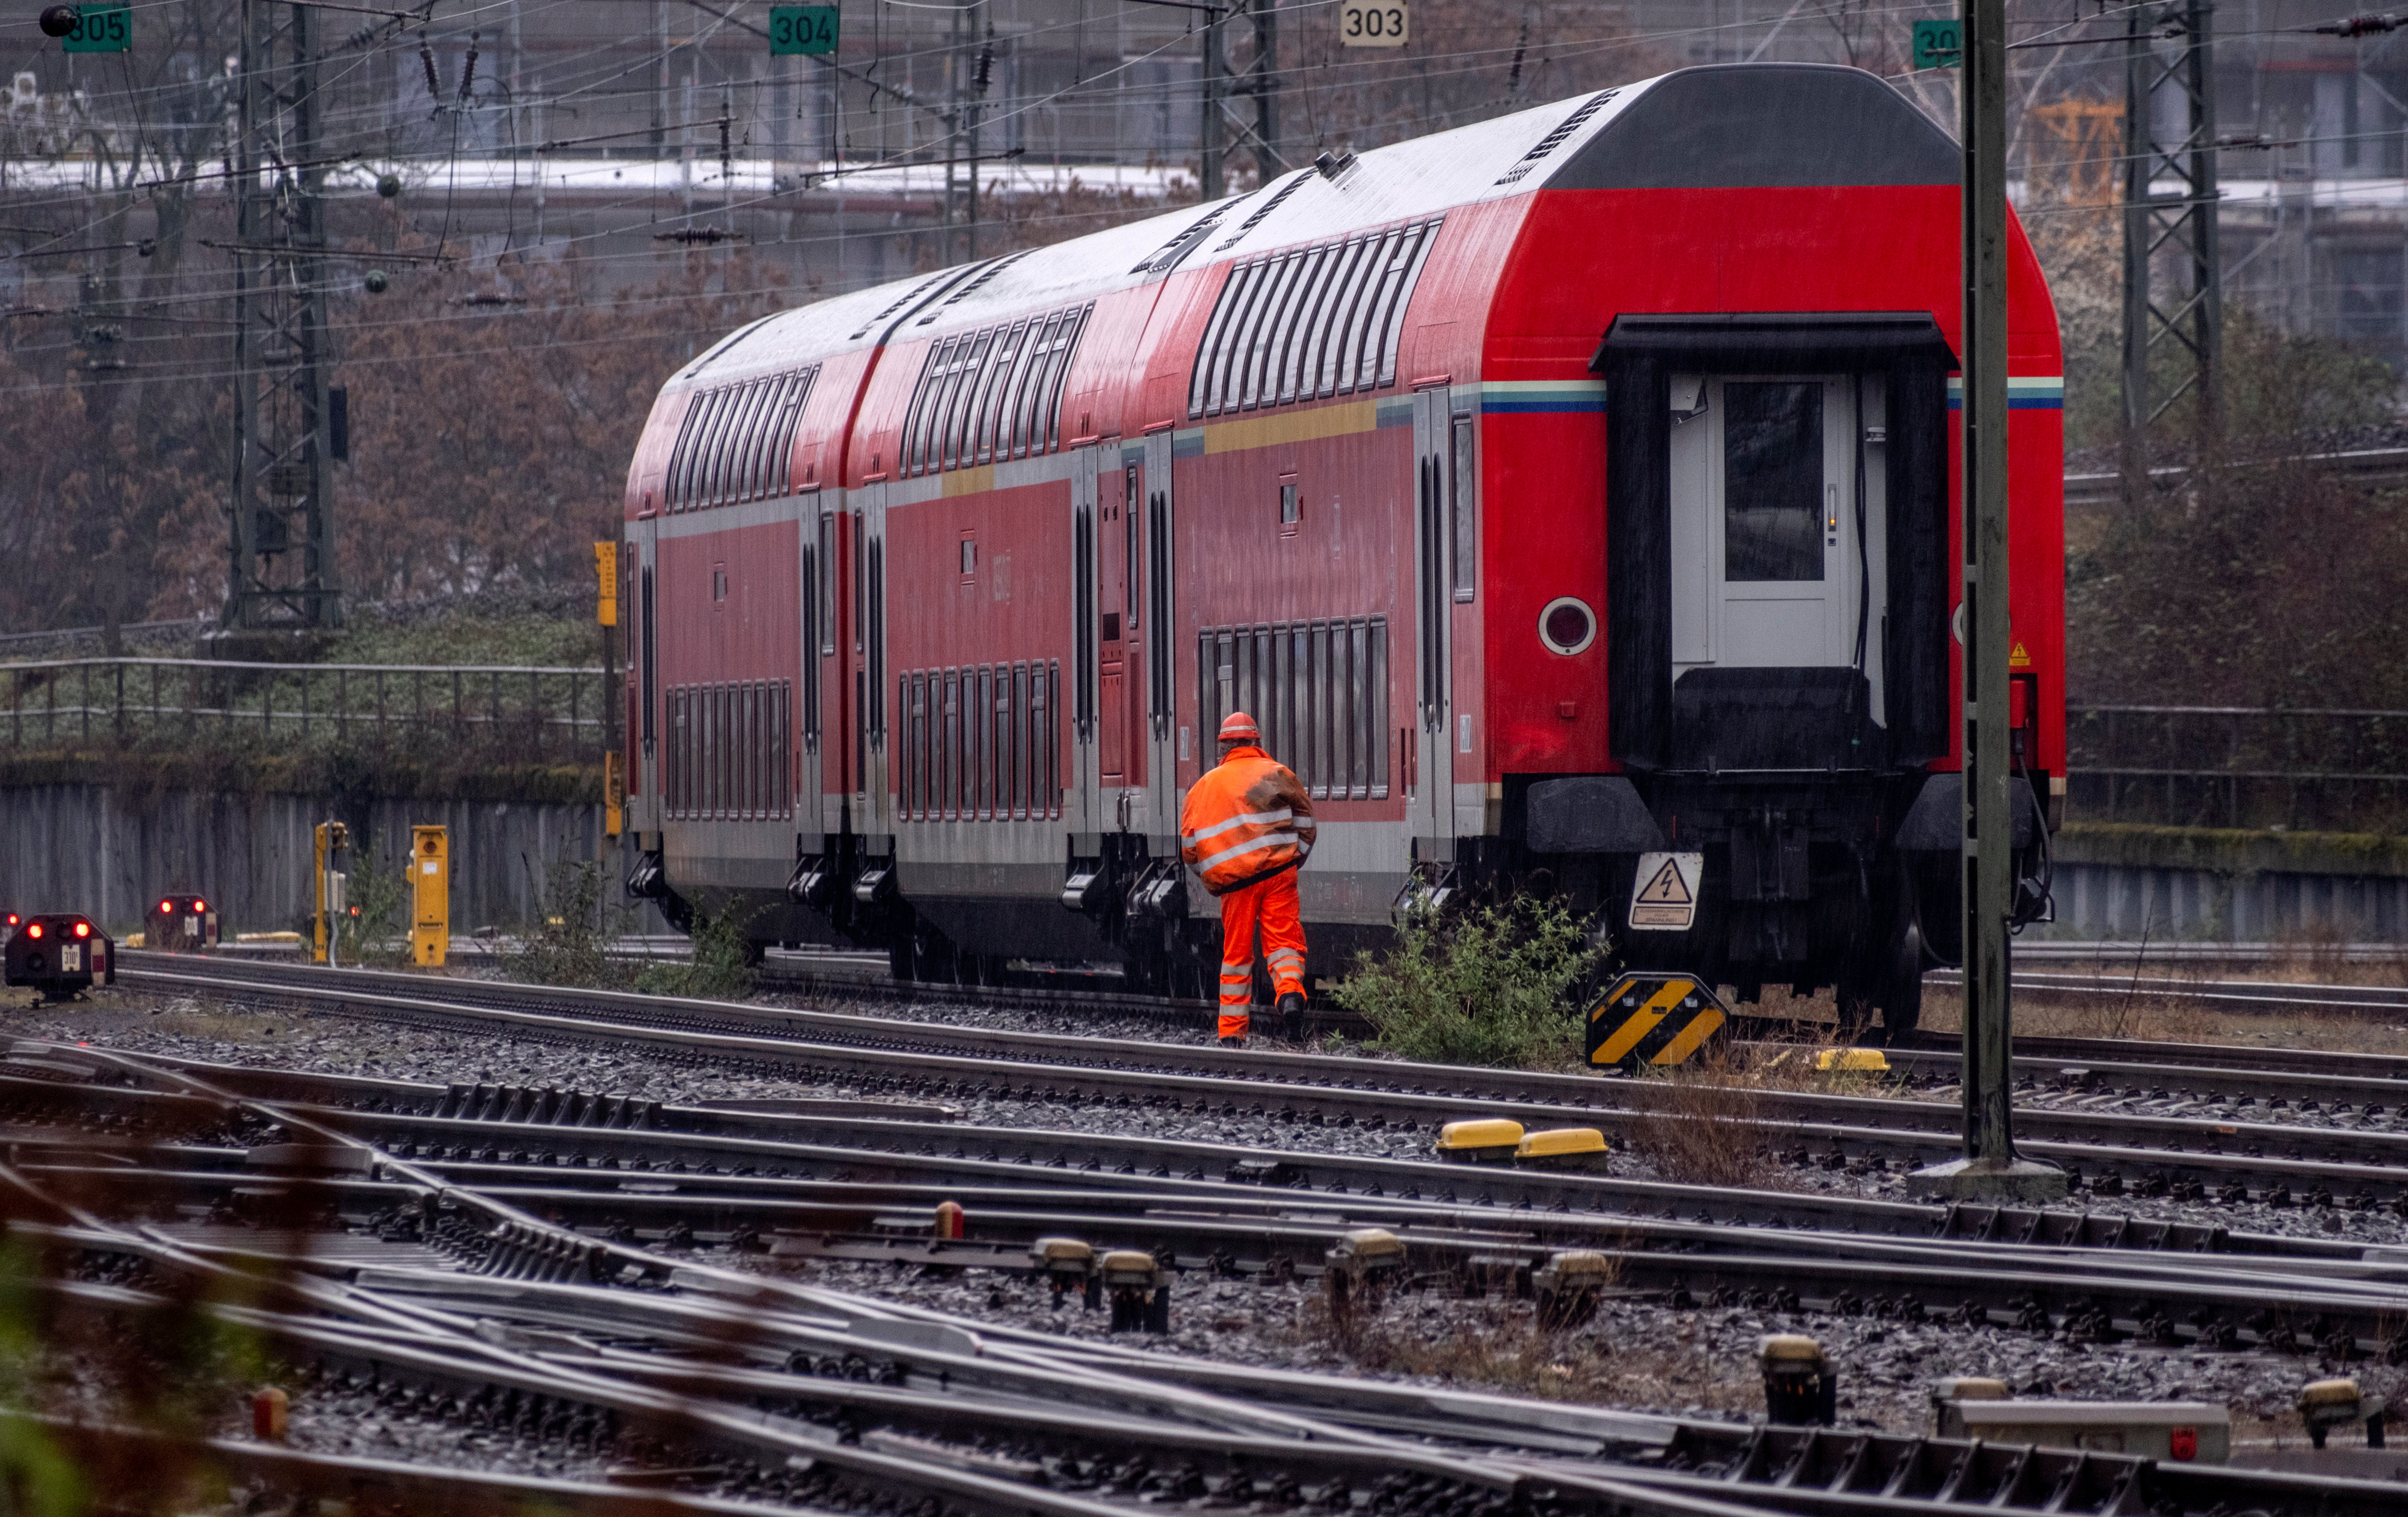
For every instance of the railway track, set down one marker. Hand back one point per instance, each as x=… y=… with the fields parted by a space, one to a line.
x=2347 y=1153
x=686 y=1188
x=657 y=1355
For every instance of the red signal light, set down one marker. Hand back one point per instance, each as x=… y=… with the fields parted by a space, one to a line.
x=200 y=905
x=14 y=920
x=33 y=930
x=83 y=929
x=167 y=908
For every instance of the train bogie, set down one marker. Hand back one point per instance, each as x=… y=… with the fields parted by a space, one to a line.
x=1558 y=492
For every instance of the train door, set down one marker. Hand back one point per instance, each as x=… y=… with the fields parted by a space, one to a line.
x=1115 y=491
x=873 y=811
x=1082 y=807
x=644 y=705
x=1428 y=744
x=1777 y=519
x=1166 y=741
x=816 y=527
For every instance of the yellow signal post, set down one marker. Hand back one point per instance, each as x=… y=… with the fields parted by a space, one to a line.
x=614 y=794
x=606 y=573
x=328 y=838
x=430 y=896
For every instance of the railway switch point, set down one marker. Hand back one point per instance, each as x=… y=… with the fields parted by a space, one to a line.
x=2327 y=1404
x=1568 y=1285
x=949 y=1220
x=60 y=956
x=1140 y=1288
x=1069 y=1264
x=1362 y=1266
x=270 y=1411
x=1562 y=1148
x=1800 y=1388
x=1654 y=1020
x=1478 y=1141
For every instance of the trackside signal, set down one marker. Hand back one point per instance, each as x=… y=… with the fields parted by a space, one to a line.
x=180 y=922
x=60 y=956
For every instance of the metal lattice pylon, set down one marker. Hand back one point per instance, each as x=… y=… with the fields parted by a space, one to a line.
x=2169 y=63
x=283 y=572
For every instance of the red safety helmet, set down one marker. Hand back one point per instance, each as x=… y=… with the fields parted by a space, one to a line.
x=1238 y=727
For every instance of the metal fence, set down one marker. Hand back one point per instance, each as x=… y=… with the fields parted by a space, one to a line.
x=88 y=703
x=2309 y=769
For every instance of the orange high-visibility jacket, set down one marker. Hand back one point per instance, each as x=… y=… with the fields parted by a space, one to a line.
x=1246 y=820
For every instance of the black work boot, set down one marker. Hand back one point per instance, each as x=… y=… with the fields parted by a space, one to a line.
x=1233 y=1042
x=1291 y=1010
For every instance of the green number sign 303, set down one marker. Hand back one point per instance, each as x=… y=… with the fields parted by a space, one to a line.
x=798 y=30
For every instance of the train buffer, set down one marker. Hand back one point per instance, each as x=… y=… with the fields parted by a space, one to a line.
x=1648 y=1017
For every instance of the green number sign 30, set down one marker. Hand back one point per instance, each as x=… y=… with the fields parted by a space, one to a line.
x=1939 y=44
x=797 y=30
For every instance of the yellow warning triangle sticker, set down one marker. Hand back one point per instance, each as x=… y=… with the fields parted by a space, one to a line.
x=2019 y=657
x=1668 y=888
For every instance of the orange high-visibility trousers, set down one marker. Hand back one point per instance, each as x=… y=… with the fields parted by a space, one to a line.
x=1269 y=906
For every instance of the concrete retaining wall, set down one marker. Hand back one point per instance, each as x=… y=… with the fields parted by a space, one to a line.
x=2203 y=885
x=106 y=852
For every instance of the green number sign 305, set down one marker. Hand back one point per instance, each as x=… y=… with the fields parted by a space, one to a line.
x=101 y=28
x=796 y=30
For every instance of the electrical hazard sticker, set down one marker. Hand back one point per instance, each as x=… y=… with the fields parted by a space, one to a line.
x=1665 y=899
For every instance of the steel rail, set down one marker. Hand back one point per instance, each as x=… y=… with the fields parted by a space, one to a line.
x=2372 y=1161
x=2017 y=1281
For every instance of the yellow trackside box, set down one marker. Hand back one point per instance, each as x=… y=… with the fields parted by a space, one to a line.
x=606 y=574
x=430 y=896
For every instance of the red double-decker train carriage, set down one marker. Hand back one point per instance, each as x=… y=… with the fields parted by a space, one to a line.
x=1564 y=494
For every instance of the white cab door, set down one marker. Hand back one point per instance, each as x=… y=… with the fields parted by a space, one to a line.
x=1777 y=507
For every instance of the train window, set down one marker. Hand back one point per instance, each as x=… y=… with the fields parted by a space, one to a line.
x=1291 y=506
x=1082 y=612
x=1464 y=495
x=1309 y=306
x=827 y=584
x=1772 y=481
x=1025 y=427
x=720 y=485
x=1375 y=706
x=953 y=428
x=1157 y=553
x=949 y=742
x=790 y=421
x=1057 y=374
x=1257 y=355
x=970 y=556
x=1417 y=251
x=1049 y=740
x=687 y=487
x=859 y=569
x=981 y=715
x=878 y=636
x=939 y=399
x=681 y=456
x=1289 y=335
x=1222 y=335
x=1019 y=741
x=743 y=428
x=1358 y=361
x=912 y=449
x=782 y=751
x=993 y=391
x=651 y=675
x=1129 y=536
x=1320 y=377
x=759 y=435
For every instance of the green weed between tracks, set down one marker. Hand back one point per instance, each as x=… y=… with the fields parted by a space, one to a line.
x=1492 y=985
x=576 y=920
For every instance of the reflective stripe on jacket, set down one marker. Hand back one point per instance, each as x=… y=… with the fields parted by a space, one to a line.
x=1246 y=820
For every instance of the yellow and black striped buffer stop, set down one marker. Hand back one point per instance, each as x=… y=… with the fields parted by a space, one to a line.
x=1653 y=1018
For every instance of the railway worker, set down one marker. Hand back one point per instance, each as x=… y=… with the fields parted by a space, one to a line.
x=1245 y=829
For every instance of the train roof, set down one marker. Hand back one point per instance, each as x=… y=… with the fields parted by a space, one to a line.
x=1727 y=125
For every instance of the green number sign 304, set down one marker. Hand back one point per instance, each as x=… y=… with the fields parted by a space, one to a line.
x=1939 y=44
x=101 y=28
x=797 y=30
